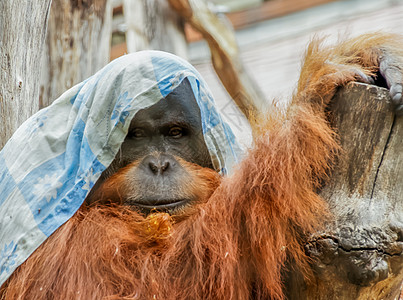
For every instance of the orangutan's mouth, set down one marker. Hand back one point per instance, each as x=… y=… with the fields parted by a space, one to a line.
x=159 y=205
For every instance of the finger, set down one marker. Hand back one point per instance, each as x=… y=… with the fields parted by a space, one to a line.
x=393 y=78
x=396 y=88
x=397 y=99
x=362 y=77
x=396 y=94
x=392 y=74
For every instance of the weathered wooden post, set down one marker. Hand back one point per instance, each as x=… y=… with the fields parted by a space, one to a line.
x=77 y=45
x=359 y=254
x=152 y=24
x=22 y=33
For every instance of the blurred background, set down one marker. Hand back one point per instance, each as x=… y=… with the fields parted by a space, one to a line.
x=271 y=37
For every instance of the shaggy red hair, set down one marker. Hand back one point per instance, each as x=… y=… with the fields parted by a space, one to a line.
x=234 y=243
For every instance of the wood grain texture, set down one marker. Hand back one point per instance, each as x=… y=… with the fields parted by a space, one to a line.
x=77 y=45
x=154 y=25
x=23 y=25
x=359 y=254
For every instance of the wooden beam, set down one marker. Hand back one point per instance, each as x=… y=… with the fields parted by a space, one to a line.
x=270 y=9
x=267 y=10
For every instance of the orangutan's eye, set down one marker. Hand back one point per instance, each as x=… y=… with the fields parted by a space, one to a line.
x=175 y=132
x=138 y=133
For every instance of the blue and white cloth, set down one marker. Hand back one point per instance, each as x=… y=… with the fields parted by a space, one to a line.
x=53 y=160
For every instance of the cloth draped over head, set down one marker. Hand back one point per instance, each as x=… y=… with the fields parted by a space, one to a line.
x=52 y=161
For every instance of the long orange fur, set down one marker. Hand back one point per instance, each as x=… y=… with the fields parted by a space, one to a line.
x=235 y=243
